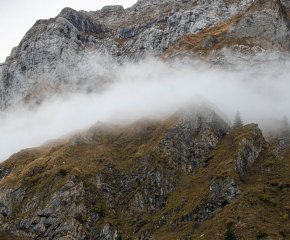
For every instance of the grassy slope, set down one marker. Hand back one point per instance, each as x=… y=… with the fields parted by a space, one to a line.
x=7 y=236
x=265 y=193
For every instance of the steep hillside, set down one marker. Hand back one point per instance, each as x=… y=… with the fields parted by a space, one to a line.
x=184 y=177
x=54 y=56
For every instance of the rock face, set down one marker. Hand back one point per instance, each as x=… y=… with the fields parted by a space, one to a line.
x=222 y=193
x=251 y=146
x=265 y=24
x=51 y=57
x=250 y=37
x=187 y=145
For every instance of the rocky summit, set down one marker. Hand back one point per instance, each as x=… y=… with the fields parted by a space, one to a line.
x=220 y=32
x=189 y=175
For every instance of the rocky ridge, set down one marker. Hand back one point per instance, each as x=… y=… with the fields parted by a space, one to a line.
x=187 y=176
x=153 y=179
x=50 y=58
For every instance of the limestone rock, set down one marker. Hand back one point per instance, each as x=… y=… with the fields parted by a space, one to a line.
x=187 y=145
x=251 y=145
x=50 y=58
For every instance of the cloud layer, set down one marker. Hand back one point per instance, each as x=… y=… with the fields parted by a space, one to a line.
x=152 y=88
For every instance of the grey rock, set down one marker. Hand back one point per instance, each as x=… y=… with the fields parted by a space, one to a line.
x=208 y=42
x=108 y=233
x=283 y=142
x=222 y=193
x=267 y=24
x=50 y=58
x=190 y=141
x=249 y=150
x=10 y=197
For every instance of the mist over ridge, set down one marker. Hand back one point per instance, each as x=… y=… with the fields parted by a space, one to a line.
x=150 y=88
x=164 y=120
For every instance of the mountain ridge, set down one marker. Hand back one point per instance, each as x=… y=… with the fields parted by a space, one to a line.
x=153 y=179
x=189 y=175
x=65 y=41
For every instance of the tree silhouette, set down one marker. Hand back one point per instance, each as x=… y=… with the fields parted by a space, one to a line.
x=285 y=124
x=238 y=122
x=230 y=234
x=285 y=127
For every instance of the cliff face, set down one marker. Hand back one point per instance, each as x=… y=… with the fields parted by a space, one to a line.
x=253 y=33
x=50 y=54
x=178 y=178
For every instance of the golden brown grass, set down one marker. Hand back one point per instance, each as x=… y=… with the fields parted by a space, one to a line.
x=193 y=42
x=7 y=236
x=265 y=193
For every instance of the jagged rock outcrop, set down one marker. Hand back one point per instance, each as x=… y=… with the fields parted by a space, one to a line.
x=266 y=24
x=187 y=145
x=73 y=209
x=283 y=142
x=250 y=146
x=222 y=193
x=45 y=61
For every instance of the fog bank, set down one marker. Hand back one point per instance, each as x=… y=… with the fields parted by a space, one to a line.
x=152 y=88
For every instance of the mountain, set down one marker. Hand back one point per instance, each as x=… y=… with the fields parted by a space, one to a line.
x=182 y=177
x=50 y=59
x=188 y=175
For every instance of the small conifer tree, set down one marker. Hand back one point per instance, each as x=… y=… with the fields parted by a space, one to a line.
x=285 y=124
x=238 y=122
x=285 y=127
x=230 y=234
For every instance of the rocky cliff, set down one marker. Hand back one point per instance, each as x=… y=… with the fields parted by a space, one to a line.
x=50 y=58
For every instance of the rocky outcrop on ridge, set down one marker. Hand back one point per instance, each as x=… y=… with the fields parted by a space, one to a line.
x=250 y=148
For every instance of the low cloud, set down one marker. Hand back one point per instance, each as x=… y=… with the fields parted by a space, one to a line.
x=152 y=88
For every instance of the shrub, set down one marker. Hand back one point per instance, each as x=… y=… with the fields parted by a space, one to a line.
x=261 y=234
x=265 y=197
x=230 y=234
x=62 y=172
x=84 y=218
x=230 y=221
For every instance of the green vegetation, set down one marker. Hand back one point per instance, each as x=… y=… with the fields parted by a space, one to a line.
x=62 y=172
x=230 y=234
